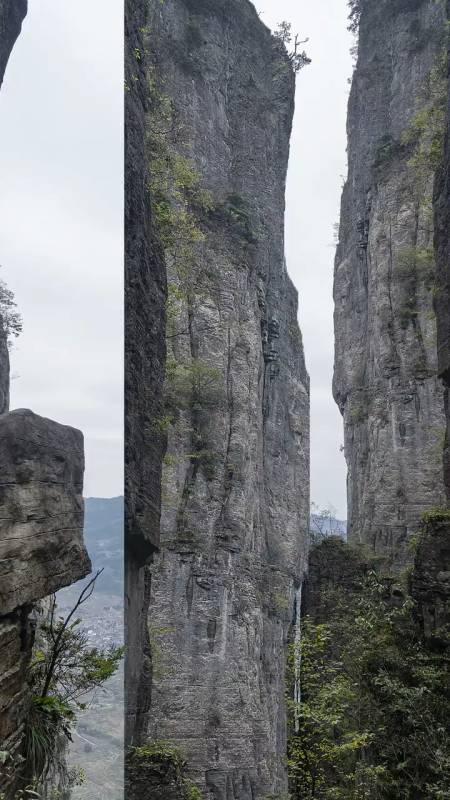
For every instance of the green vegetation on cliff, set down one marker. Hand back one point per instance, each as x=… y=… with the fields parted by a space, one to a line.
x=375 y=697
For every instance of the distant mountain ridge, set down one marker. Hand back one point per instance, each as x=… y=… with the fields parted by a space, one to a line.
x=327 y=525
x=103 y=535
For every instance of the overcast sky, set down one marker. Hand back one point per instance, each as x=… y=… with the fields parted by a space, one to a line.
x=61 y=235
x=317 y=166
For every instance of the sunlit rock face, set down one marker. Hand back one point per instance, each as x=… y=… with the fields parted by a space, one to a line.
x=386 y=367
x=236 y=476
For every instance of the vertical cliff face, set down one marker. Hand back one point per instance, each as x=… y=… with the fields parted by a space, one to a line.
x=41 y=548
x=145 y=291
x=236 y=475
x=386 y=372
x=12 y=14
x=442 y=295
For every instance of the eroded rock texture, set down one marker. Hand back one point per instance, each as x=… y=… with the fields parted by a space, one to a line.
x=41 y=541
x=236 y=477
x=442 y=294
x=145 y=293
x=332 y=564
x=386 y=372
x=41 y=546
x=12 y=14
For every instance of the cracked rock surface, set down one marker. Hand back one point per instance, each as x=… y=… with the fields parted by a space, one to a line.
x=386 y=370
x=235 y=507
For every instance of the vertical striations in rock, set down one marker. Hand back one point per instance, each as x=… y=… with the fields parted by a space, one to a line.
x=442 y=294
x=145 y=292
x=12 y=14
x=236 y=475
x=386 y=373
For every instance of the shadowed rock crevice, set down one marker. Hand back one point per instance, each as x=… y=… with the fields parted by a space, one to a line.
x=145 y=297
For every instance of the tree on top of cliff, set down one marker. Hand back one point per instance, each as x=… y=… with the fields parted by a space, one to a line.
x=10 y=319
x=284 y=34
x=354 y=15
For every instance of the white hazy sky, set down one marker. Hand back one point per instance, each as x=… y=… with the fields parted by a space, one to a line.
x=317 y=166
x=61 y=236
x=61 y=233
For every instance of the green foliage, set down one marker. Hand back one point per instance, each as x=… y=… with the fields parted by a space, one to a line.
x=357 y=411
x=425 y=134
x=178 y=197
x=297 y=59
x=194 y=385
x=159 y=751
x=237 y=211
x=191 y=791
x=64 y=670
x=436 y=515
x=375 y=708
x=10 y=319
x=388 y=149
x=354 y=15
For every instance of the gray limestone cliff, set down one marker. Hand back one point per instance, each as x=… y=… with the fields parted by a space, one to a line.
x=145 y=295
x=442 y=295
x=12 y=14
x=41 y=548
x=386 y=367
x=236 y=475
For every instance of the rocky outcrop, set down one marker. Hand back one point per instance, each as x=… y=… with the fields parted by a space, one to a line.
x=41 y=547
x=236 y=476
x=158 y=775
x=442 y=294
x=332 y=564
x=41 y=541
x=386 y=371
x=430 y=579
x=12 y=14
x=145 y=294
